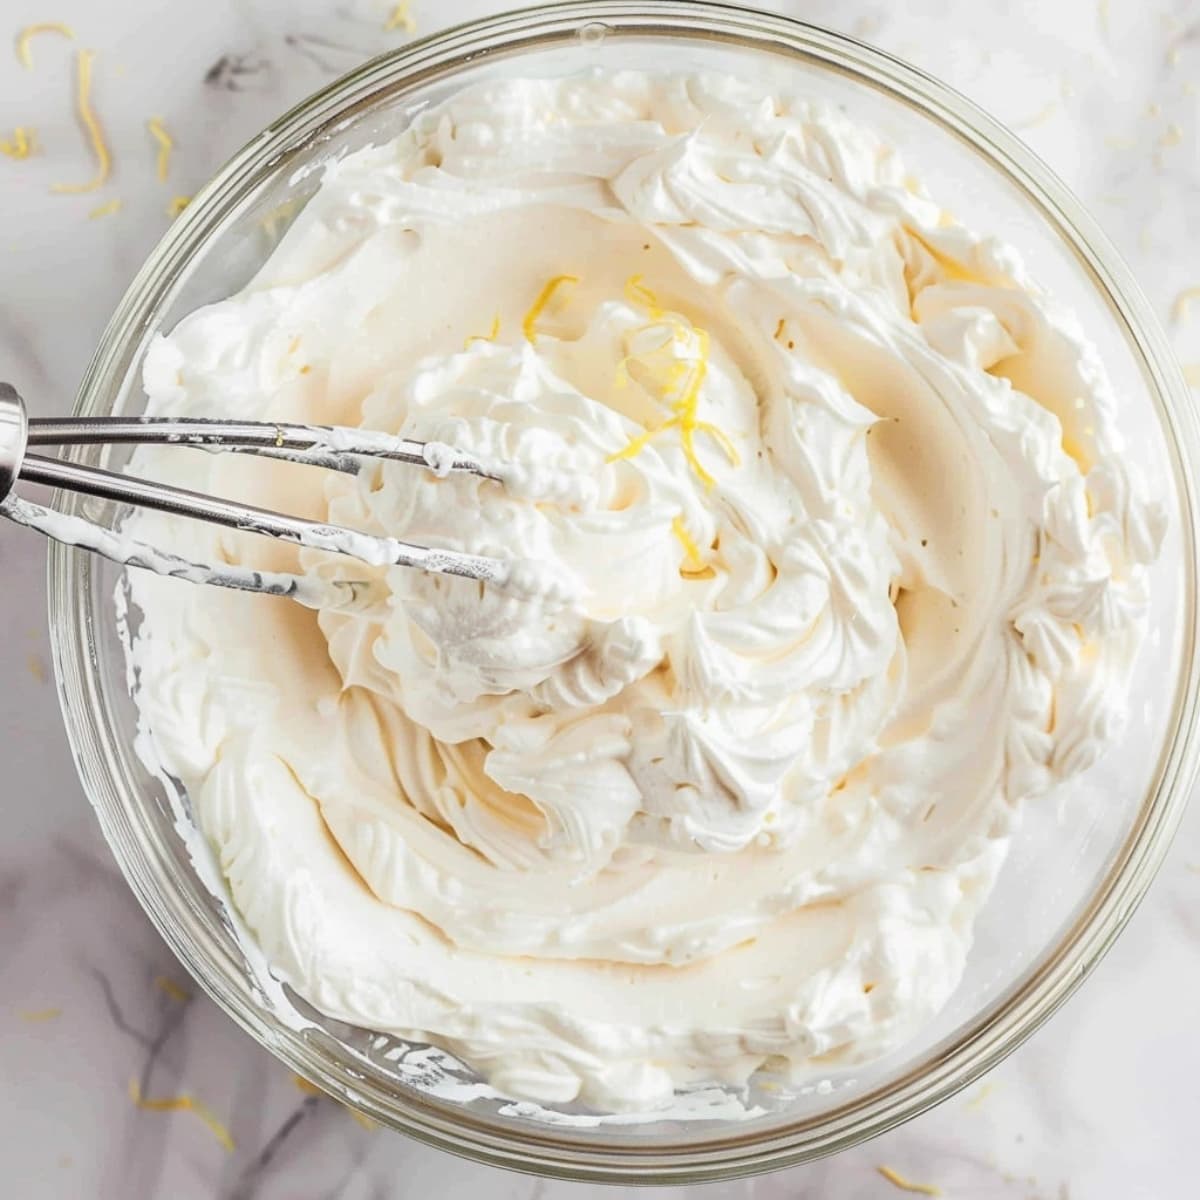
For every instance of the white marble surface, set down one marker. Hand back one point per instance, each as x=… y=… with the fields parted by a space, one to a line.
x=1102 y=1104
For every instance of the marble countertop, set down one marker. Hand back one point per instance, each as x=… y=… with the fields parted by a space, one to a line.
x=1101 y=1104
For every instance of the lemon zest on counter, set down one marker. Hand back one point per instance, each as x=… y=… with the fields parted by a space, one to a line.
x=38 y=1015
x=166 y=144
x=303 y=1085
x=20 y=145
x=492 y=334
x=906 y=1185
x=182 y=1103
x=92 y=125
x=31 y=31
x=106 y=209
x=529 y=323
x=1182 y=306
x=177 y=205
x=169 y=987
x=401 y=18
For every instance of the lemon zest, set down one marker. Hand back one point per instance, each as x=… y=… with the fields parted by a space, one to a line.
x=636 y=445
x=106 y=209
x=529 y=323
x=303 y=1085
x=639 y=293
x=183 y=1103
x=169 y=987
x=695 y=567
x=401 y=18
x=37 y=1015
x=166 y=144
x=31 y=31
x=722 y=439
x=906 y=1185
x=492 y=334
x=679 y=529
x=177 y=205
x=685 y=406
x=1182 y=306
x=20 y=145
x=92 y=125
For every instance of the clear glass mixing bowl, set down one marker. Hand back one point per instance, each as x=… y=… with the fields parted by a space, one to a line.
x=1078 y=867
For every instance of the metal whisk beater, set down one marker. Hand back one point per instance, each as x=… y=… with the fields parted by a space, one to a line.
x=330 y=447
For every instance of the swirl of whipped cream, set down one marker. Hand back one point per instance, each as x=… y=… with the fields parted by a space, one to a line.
x=832 y=559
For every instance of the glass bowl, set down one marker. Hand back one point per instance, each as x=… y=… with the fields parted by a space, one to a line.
x=1078 y=866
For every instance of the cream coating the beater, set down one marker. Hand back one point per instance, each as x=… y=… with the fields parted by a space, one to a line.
x=846 y=566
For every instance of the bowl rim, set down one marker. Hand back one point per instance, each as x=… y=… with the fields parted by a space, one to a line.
x=991 y=1035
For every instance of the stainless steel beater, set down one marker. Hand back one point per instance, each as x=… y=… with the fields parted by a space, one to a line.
x=331 y=447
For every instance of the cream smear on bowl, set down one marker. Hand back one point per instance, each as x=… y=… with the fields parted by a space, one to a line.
x=848 y=565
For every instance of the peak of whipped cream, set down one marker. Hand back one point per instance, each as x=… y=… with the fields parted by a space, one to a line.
x=825 y=559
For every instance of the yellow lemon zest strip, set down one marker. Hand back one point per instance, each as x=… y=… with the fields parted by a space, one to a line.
x=170 y=988
x=722 y=439
x=88 y=117
x=638 y=293
x=492 y=334
x=177 y=205
x=309 y=1089
x=679 y=529
x=636 y=445
x=106 y=209
x=687 y=438
x=20 y=145
x=529 y=324
x=31 y=31
x=401 y=18
x=165 y=144
x=182 y=1103
x=906 y=1185
x=685 y=410
x=36 y=1015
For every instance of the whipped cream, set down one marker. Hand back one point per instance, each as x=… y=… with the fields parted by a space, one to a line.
x=838 y=562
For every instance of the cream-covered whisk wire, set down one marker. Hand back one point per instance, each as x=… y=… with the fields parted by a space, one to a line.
x=331 y=447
